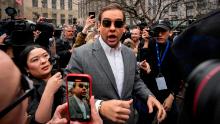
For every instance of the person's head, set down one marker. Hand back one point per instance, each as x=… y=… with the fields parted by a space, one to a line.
x=111 y=24
x=80 y=89
x=43 y=32
x=90 y=37
x=68 y=32
x=12 y=93
x=35 y=60
x=162 y=29
x=135 y=34
x=128 y=42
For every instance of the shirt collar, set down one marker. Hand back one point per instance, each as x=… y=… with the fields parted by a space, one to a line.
x=107 y=48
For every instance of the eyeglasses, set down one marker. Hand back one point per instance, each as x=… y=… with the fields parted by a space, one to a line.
x=27 y=87
x=117 y=23
x=83 y=85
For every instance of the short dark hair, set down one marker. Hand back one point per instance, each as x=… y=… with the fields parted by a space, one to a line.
x=112 y=6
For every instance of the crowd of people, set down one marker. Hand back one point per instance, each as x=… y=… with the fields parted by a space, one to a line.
x=137 y=73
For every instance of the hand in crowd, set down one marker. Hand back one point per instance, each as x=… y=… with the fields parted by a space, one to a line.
x=167 y=104
x=89 y=23
x=153 y=102
x=41 y=19
x=54 y=83
x=145 y=66
x=58 y=115
x=61 y=111
x=116 y=110
x=2 y=38
x=145 y=33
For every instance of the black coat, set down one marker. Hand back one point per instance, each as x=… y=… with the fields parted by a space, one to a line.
x=169 y=68
x=39 y=86
x=62 y=49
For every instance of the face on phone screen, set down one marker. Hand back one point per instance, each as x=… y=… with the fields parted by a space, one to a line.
x=78 y=98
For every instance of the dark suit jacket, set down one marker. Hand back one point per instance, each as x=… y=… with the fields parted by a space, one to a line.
x=91 y=59
x=75 y=111
x=62 y=49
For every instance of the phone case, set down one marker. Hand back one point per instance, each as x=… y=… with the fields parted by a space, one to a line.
x=84 y=77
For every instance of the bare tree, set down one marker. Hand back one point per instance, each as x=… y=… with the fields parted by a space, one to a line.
x=151 y=10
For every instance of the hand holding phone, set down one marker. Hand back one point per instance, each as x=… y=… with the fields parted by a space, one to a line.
x=78 y=95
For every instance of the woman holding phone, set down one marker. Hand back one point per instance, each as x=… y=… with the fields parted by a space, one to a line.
x=35 y=62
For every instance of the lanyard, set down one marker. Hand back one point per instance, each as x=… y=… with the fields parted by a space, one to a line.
x=159 y=61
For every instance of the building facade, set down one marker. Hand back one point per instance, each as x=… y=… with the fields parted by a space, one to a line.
x=58 y=12
x=86 y=6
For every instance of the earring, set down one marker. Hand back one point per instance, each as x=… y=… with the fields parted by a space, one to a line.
x=28 y=74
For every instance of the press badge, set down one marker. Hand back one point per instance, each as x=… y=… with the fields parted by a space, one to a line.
x=161 y=83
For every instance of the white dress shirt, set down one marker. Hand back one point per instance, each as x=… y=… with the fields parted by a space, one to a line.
x=116 y=62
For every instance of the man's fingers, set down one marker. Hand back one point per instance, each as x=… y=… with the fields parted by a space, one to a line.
x=150 y=107
x=161 y=115
x=123 y=117
x=126 y=104
x=124 y=111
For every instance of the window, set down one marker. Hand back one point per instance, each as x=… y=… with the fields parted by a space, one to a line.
x=201 y=4
x=174 y=17
x=61 y=4
x=44 y=3
x=54 y=18
x=189 y=6
x=35 y=3
x=174 y=8
x=70 y=4
x=54 y=4
x=45 y=15
x=70 y=19
x=62 y=17
x=166 y=10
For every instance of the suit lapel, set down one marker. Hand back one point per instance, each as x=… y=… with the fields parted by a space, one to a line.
x=78 y=110
x=103 y=61
x=126 y=69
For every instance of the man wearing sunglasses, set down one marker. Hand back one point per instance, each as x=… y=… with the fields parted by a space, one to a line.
x=113 y=69
x=79 y=102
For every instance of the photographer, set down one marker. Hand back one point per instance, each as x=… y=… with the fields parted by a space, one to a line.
x=16 y=34
x=164 y=78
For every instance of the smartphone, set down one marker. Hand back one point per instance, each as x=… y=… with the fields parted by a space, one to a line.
x=93 y=14
x=79 y=92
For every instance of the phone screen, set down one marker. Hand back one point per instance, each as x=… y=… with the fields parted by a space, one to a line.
x=92 y=13
x=79 y=92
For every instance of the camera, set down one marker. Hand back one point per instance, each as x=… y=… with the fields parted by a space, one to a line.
x=19 y=31
x=159 y=26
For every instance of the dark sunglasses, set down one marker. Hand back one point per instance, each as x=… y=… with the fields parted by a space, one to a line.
x=117 y=23
x=83 y=85
x=27 y=87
